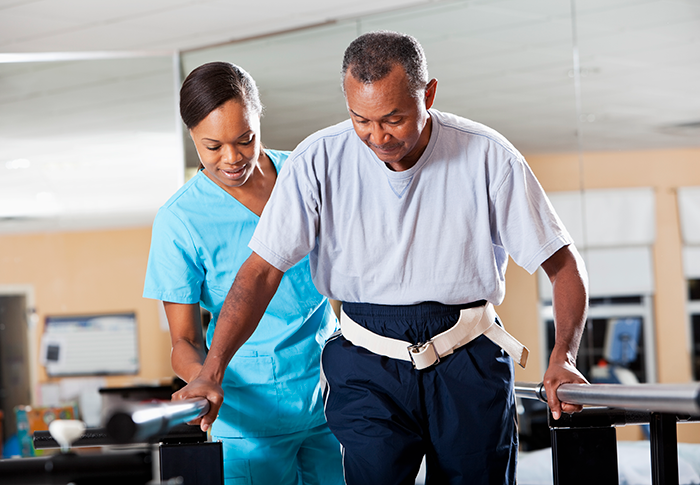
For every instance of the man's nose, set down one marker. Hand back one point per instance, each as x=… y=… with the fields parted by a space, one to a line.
x=378 y=135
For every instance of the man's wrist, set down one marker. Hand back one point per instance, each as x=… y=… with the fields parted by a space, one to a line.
x=562 y=356
x=212 y=370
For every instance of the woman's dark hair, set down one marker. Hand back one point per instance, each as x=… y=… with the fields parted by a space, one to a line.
x=213 y=84
x=373 y=55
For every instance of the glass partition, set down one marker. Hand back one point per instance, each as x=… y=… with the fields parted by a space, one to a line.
x=87 y=142
x=519 y=84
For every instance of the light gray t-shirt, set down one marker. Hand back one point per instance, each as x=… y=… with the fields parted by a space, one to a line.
x=440 y=231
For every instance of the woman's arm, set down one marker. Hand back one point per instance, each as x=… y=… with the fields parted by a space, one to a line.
x=188 y=350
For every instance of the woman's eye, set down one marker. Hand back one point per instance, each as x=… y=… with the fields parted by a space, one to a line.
x=248 y=141
x=213 y=149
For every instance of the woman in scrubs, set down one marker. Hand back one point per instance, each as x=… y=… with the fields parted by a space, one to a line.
x=271 y=422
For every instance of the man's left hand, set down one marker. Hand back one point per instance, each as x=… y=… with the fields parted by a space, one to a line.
x=560 y=372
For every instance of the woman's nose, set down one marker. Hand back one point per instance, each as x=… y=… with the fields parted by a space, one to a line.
x=229 y=155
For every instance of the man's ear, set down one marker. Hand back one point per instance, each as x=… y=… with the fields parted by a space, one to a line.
x=430 y=91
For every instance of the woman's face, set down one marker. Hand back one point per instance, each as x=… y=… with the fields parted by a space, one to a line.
x=228 y=144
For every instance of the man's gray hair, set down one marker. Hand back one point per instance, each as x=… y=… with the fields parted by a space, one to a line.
x=372 y=56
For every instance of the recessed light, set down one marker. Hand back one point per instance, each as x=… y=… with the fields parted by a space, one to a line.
x=17 y=164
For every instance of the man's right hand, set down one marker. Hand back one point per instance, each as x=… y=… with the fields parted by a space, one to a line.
x=208 y=389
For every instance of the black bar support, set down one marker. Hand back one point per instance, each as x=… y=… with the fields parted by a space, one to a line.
x=664 y=449
x=586 y=454
x=197 y=463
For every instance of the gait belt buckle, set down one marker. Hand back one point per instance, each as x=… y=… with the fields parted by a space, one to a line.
x=423 y=355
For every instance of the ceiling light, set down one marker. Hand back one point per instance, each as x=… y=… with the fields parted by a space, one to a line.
x=17 y=164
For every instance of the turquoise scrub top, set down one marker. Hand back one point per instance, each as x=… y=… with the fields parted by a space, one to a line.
x=199 y=242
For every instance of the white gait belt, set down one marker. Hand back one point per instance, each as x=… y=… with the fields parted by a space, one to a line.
x=472 y=323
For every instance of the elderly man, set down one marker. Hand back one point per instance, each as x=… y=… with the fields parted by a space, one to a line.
x=409 y=215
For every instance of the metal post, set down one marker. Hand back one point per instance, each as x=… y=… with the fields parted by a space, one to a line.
x=584 y=456
x=193 y=463
x=584 y=446
x=664 y=449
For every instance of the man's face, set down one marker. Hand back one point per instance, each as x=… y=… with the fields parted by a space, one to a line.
x=386 y=116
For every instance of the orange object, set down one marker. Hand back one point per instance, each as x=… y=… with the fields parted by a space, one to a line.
x=31 y=419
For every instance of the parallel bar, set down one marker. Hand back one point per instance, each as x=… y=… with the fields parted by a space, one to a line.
x=600 y=417
x=181 y=433
x=137 y=423
x=531 y=390
x=657 y=398
x=115 y=468
x=91 y=437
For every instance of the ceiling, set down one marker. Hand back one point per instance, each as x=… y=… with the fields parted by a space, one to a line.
x=89 y=135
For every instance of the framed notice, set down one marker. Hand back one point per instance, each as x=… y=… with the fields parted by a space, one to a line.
x=90 y=345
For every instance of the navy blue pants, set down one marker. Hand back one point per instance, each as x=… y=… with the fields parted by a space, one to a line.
x=460 y=414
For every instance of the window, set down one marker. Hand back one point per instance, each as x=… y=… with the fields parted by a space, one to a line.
x=694 y=316
x=614 y=230
x=617 y=334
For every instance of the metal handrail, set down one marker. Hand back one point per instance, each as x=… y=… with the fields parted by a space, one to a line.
x=136 y=423
x=657 y=398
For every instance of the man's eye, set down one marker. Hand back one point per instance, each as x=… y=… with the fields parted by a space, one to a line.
x=248 y=142
x=213 y=148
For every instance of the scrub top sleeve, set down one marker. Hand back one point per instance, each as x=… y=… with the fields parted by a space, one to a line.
x=527 y=224
x=174 y=272
x=289 y=223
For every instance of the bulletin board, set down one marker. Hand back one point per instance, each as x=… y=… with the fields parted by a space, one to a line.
x=103 y=344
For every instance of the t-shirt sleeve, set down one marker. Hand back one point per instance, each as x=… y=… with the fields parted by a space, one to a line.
x=174 y=272
x=289 y=223
x=528 y=227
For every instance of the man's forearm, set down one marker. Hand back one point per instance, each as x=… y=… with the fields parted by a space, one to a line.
x=245 y=304
x=567 y=273
x=570 y=306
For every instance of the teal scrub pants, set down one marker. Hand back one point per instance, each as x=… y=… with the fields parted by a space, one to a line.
x=307 y=457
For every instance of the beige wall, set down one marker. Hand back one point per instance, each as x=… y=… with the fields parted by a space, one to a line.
x=90 y=272
x=665 y=171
